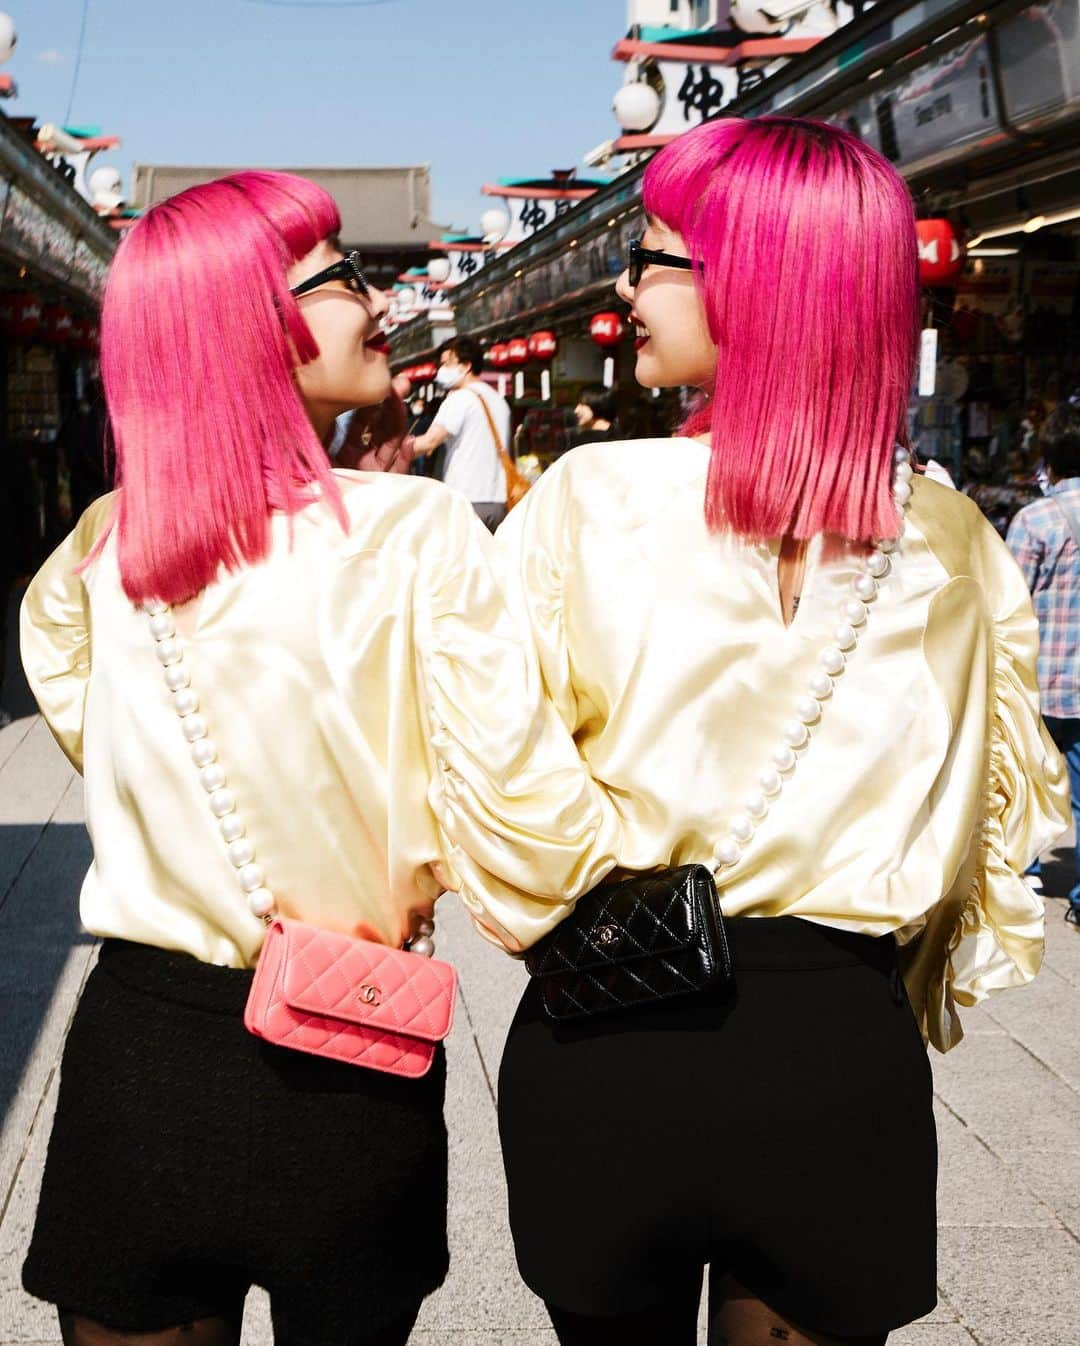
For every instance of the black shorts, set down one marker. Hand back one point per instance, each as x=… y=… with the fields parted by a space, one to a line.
x=783 y=1132
x=189 y=1160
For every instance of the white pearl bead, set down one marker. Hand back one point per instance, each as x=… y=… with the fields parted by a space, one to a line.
x=212 y=777
x=425 y=926
x=423 y=946
x=185 y=702
x=251 y=877
x=832 y=660
x=728 y=852
x=742 y=827
x=844 y=635
x=866 y=588
x=796 y=733
x=902 y=493
x=241 y=852
x=888 y=544
x=194 y=727
x=177 y=676
x=756 y=805
x=821 y=686
x=222 y=802
x=855 y=612
x=771 y=782
x=878 y=564
x=808 y=709
x=169 y=652
x=203 y=752
x=154 y=605
x=784 y=758
x=903 y=471
x=162 y=626
x=901 y=455
x=261 y=902
x=231 y=828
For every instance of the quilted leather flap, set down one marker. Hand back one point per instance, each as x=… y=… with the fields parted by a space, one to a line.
x=640 y=917
x=361 y=982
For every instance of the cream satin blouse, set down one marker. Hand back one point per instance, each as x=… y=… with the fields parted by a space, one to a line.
x=928 y=786
x=375 y=710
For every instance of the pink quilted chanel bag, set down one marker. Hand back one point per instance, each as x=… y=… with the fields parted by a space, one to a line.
x=349 y=999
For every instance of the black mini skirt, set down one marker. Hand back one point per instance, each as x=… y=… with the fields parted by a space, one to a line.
x=189 y=1160
x=782 y=1131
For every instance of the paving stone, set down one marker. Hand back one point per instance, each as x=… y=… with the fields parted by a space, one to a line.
x=932 y=1334
x=976 y=1188
x=1042 y=1017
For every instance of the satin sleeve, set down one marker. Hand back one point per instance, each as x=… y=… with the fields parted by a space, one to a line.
x=987 y=934
x=524 y=829
x=55 y=637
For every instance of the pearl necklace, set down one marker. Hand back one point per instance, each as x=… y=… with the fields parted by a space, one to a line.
x=221 y=799
x=809 y=708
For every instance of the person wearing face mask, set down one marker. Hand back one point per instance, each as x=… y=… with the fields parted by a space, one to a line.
x=810 y=674
x=474 y=424
x=299 y=703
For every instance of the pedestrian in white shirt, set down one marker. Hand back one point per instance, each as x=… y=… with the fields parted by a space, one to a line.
x=474 y=423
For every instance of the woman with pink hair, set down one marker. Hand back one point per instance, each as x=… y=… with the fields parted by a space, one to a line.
x=296 y=696
x=811 y=676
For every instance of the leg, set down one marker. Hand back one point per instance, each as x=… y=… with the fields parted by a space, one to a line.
x=221 y=1331
x=1066 y=734
x=673 y=1323
x=741 y=1319
x=396 y=1333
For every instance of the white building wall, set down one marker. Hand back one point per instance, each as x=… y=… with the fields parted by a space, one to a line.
x=675 y=13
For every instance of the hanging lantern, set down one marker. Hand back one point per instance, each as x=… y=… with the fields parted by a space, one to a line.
x=543 y=345
x=438 y=270
x=498 y=355
x=57 y=321
x=20 y=313
x=606 y=329
x=78 y=333
x=424 y=373
x=517 y=351
x=941 y=252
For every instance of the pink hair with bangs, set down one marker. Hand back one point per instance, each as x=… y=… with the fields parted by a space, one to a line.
x=806 y=240
x=199 y=338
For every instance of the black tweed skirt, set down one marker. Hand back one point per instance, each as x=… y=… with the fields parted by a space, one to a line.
x=189 y=1160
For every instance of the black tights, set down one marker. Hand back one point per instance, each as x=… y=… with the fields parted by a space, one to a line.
x=224 y=1331
x=736 y=1319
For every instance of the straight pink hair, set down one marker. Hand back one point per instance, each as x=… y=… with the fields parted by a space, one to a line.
x=809 y=277
x=199 y=338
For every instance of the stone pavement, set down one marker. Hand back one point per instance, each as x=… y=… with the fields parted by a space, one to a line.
x=1008 y=1109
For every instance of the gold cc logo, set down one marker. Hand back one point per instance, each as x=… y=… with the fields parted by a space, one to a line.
x=370 y=995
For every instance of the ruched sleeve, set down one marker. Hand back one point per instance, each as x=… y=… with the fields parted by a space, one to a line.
x=987 y=933
x=524 y=828
x=55 y=633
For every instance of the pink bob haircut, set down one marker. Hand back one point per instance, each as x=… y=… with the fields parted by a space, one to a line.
x=199 y=338
x=809 y=278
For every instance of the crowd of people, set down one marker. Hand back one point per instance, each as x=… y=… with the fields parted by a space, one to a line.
x=734 y=734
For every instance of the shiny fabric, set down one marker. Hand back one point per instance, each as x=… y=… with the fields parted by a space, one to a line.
x=375 y=712
x=931 y=781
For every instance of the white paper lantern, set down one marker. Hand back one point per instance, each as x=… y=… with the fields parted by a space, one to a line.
x=636 y=106
x=438 y=269
x=494 y=225
x=8 y=37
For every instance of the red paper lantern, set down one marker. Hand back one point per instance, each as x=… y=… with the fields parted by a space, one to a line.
x=20 y=313
x=606 y=329
x=57 y=320
x=543 y=345
x=941 y=252
x=517 y=351
x=422 y=373
x=498 y=355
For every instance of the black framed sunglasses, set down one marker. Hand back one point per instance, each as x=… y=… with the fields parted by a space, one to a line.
x=640 y=258
x=348 y=270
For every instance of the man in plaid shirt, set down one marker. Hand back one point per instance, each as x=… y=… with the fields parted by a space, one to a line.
x=1045 y=539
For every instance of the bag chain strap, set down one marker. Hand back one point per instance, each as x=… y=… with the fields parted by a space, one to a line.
x=222 y=800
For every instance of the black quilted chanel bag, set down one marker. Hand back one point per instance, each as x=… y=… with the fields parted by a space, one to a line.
x=637 y=940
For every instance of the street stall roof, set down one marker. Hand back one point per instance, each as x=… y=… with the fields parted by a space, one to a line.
x=381 y=206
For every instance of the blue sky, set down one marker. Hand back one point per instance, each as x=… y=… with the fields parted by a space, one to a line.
x=477 y=88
